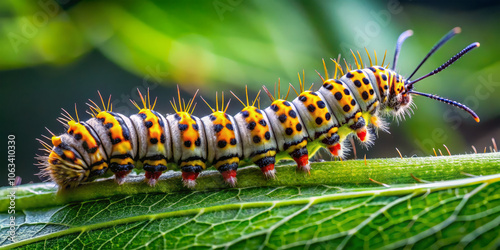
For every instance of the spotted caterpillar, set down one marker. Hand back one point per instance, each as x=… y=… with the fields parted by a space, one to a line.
x=354 y=103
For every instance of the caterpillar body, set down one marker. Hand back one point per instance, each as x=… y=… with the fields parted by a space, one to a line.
x=353 y=104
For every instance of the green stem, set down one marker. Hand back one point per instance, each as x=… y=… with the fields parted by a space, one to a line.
x=352 y=173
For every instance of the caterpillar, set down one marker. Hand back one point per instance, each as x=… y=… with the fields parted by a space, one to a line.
x=354 y=104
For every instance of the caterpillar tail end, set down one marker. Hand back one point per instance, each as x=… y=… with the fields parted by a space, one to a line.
x=269 y=171
x=303 y=163
x=230 y=177
x=189 y=179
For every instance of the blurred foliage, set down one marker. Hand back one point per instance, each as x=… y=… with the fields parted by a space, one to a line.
x=54 y=54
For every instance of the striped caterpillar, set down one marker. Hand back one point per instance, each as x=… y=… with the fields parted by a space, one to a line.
x=355 y=103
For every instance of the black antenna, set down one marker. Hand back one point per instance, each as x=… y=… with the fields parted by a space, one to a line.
x=447 y=101
x=438 y=45
x=399 y=43
x=445 y=65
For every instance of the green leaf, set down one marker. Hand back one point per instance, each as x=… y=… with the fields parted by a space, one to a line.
x=336 y=206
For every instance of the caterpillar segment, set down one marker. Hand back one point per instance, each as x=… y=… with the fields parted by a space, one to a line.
x=223 y=142
x=154 y=144
x=257 y=137
x=355 y=103
x=118 y=138
x=289 y=130
x=188 y=140
x=320 y=124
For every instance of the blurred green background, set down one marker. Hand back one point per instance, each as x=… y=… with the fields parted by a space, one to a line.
x=54 y=54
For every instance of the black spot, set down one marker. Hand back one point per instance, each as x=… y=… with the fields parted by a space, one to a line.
x=328 y=116
x=303 y=98
x=282 y=118
x=292 y=113
x=78 y=136
x=371 y=92
x=177 y=117
x=182 y=127
x=195 y=126
x=298 y=127
x=221 y=144
x=267 y=135
x=353 y=102
x=321 y=104
x=349 y=75
x=212 y=118
x=245 y=113
x=357 y=83
x=381 y=68
x=346 y=108
x=346 y=92
x=251 y=125
x=311 y=108
x=162 y=138
x=328 y=86
x=148 y=124
x=197 y=143
x=153 y=140
x=338 y=96
x=313 y=93
x=263 y=122
x=115 y=141
x=384 y=77
x=373 y=69
x=359 y=71
x=233 y=141
x=218 y=128
x=108 y=125
x=365 y=81
x=365 y=95
x=229 y=126
x=289 y=131
x=338 y=82
x=319 y=120
x=187 y=144
x=386 y=86
x=142 y=115
x=286 y=103
x=258 y=111
x=274 y=108
x=256 y=139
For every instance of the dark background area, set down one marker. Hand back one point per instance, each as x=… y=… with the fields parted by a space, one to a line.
x=53 y=55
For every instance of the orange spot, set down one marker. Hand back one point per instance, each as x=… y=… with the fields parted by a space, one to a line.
x=476 y=118
x=189 y=176
x=268 y=168
x=229 y=174
x=362 y=135
x=335 y=149
x=302 y=161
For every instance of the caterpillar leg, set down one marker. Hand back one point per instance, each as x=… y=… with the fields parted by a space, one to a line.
x=153 y=172
x=228 y=172
x=190 y=174
x=266 y=161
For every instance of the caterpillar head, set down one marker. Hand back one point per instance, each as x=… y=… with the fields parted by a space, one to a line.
x=402 y=89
